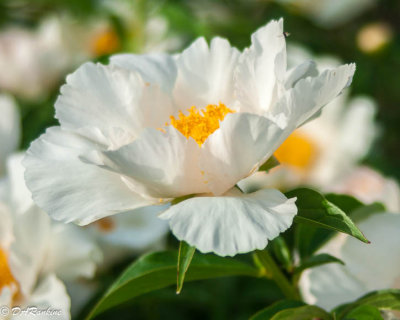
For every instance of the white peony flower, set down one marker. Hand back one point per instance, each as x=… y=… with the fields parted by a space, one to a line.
x=148 y=129
x=36 y=254
x=10 y=129
x=144 y=28
x=326 y=150
x=32 y=60
x=367 y=267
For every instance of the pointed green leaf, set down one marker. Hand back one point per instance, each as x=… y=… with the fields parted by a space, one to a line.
x=310 y=238
x=316 y=261
x=270 y=311
x=185 y=256
x=158 y=270
x=315 y=209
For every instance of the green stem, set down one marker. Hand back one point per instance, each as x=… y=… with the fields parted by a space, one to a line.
x=275 y=273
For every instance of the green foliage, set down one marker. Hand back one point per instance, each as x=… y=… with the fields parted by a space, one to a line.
x=382 y=300
x=282 y=252
x=302 y=313
x=316 y=261
x=185 y=256
x=353 y=207
x=158 y=270
x=310 y=238
x=270 y=311
x=364 y=312
x=315 y=209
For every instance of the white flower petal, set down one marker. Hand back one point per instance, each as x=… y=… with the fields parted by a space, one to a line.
x=72 y=253
x=69 y=189
x=358 y=129
x=261 y=66
x=330 y=285
x=6 y=225
x=242 y=143
x=382 y=255
x=155 y=68
x=309 y=95
x=303 y=70
x=20 y=196
x=231 y=224
x=50 y=293
x=160 y=164
x=6 y=297
x=205 y=74
x=9 y=128
x=28 y=250
x=116 y=101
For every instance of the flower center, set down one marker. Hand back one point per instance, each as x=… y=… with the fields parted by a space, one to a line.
x=105 y=42
x=105 y=225
x=199 y=124
x=298 y=150
x=6 y=277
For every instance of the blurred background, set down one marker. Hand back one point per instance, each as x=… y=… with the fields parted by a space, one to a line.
x=41 y=41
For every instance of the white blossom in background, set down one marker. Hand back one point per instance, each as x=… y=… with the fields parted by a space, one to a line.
x=330 y=13
x=33 y=60
x=10 y=129
x=37 y=254
x=125 y=234
x=368 y=267
x=147 y=129
x=326 y=150
x=146 y=30
x=370 y=186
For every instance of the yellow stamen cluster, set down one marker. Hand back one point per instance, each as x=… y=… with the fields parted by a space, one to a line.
x=105 y=42
x=199 y=124
x=297 y=151
x=6 y=277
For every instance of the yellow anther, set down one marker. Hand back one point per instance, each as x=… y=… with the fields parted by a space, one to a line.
x=6 y=277
x=199 y=124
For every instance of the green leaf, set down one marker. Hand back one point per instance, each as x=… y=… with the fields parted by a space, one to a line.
x=315 y=209
x=364 y=313
x=310 y=238
x=353 y=207
x=268 y=312
x=282 y=252
x=272 y=162
x=302 y=313
x=345 y=202
x=316 y=261
x=185 y=256
x=158 y=270
x=383 y=299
